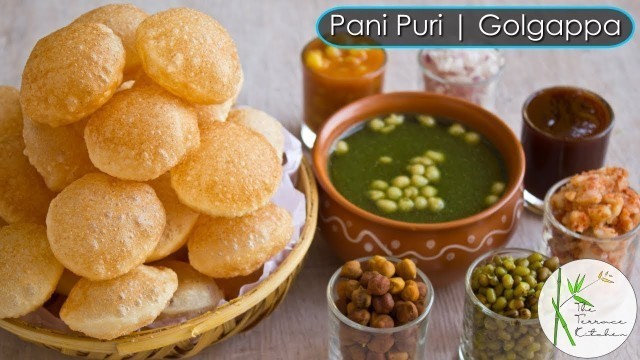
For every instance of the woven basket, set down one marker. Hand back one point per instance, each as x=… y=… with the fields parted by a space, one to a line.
x=189 y=338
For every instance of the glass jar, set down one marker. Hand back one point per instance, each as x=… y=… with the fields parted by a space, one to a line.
x=491 y=336
x=326 y=91
x=469 y=74
x=567 y=245
x=350 y=340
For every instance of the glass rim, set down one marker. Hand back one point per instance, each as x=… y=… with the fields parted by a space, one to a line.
x=368 y=75
x=548 y=214
x=480 y=83
x=469 y=292
x=601 y=134
x=345 y=320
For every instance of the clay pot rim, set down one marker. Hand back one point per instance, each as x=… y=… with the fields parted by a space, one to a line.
x=326 y=136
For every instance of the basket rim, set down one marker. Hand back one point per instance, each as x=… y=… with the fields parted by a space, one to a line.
x=165 y=336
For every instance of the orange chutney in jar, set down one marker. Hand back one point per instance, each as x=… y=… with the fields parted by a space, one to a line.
x=335 y=77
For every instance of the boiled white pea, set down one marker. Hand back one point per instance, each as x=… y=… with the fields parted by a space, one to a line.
x=376 y=194
x=378 y=185
x=436 y=204
x=405 y=204
x=427 y=120
x=416 y=169
x=419 y=180
x=376 y=124
x=421 y=202
x=472 y=138
x=432 y=173
x=387 y=129
x=394 y=193
x=342 y=147
x=387 y=206
x=490 y=200
x=394 y=119
x=411 y=192
x=422 y=160
x=497 y=188
x=385 y=160
x=401 y=181
x=429 y=191
x=435 y=156
x=456 y=130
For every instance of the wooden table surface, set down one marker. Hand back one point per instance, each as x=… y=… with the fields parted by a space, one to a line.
x=270 y=35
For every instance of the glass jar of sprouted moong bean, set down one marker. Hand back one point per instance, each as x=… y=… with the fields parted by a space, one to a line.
x=501 y=306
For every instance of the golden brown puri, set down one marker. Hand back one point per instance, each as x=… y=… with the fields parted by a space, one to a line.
x=24 y=197
x=196 y=293
x=235 y=171
x=229 y=247
x=59 y=154
x=180 y=219
x=190 y=54
x=262 y=123
x=28 y=270
x=123 y=19
x=141 y=133
x=100 y=227
x=217 y=112
x=111 y=308
x=71 y=73
x=10 y=112
x=67 y=282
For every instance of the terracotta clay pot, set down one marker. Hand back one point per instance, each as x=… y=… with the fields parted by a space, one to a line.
x=444 y=250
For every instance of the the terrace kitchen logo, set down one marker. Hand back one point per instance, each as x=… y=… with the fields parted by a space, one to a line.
x=548 y=26
x=587 y=308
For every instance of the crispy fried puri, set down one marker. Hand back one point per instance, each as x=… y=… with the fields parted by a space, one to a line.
x=262 y=123
x=28 y=270
x=71 y=73
x=111 y=308
x=100 y=227
x=180 y=219
x=141 y=133
x=235 y=171
x=229 y=247
x=190 y=54
x=123 y=19
x=10 y=112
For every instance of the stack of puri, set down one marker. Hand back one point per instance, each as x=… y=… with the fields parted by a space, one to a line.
x=128 y=183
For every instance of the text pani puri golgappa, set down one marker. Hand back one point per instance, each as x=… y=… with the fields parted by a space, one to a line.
x=111 y=308
x=196 y=293
x=262 y=123
x=59 y=154
x=100 y=227
x=10 y=112
x=234 y=171
x=28 y=270
x=24 y=196
x=229 y=247
x=71 y=73
x=190 y=54
x=123 y=19
x=141 y=133
x=180 y=219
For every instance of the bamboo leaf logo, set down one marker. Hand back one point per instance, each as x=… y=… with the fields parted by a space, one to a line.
x=582 y=301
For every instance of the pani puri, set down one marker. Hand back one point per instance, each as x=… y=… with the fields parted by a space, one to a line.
x=217 y=112
x=71 y=73
x=262 y=123
x=111 y=308
x=234 y=171
x=59 y=154
x=196 y=293
x=190 y=54
x=229 y=247
x=10 y=112
x=101 y=227
x=67 y=282
x=28 y=270
x=123 y=19
x=24 y=196
x=141 y=133
x=180 y=219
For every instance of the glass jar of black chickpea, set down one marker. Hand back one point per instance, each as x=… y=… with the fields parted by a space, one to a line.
x=501 y=306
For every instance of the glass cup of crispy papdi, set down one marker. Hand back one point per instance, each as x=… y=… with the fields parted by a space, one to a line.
x=349 y=339
x=581 y=224
x=334 y=77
